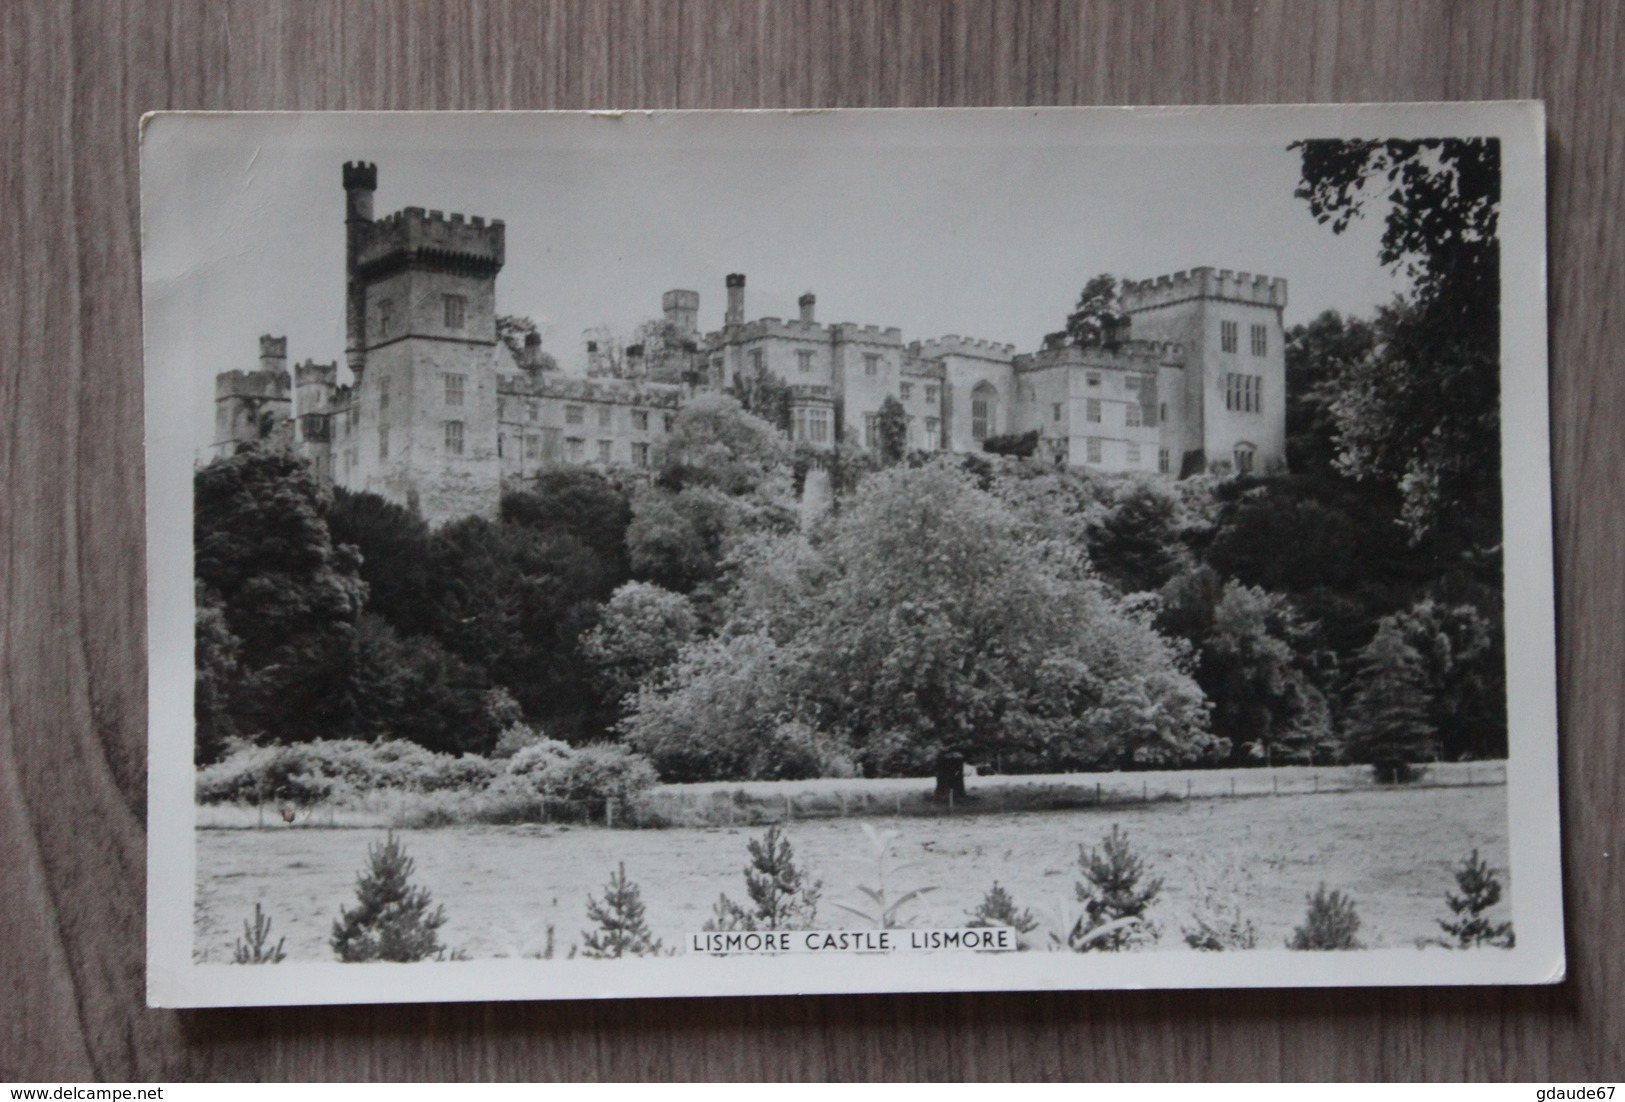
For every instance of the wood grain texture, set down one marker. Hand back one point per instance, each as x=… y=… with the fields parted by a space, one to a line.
x=74 y=79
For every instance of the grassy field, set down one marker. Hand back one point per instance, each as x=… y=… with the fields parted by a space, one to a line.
x=1392 y=849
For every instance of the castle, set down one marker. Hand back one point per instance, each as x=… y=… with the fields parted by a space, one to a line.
x=442 y=417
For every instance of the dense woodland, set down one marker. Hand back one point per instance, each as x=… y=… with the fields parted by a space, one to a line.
x=1029 y=617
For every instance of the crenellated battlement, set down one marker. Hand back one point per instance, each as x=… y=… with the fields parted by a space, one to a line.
x=850 y=332
x=275 y=385
x=1131 y=356
x=573 y=388
x=790 y=329
x=955 y=345
x=1222 y=283
x=311 y=373
x=418 y=237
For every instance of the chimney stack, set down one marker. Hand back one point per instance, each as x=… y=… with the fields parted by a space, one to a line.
x=807 y=301
x=531 y=357
x=736 y=299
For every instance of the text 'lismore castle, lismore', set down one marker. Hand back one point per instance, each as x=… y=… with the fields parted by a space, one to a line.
x=442 y=417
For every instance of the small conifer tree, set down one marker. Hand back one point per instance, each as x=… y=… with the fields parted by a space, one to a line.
x=1480 y=890
x=255 y=947
x=622 y=931
x=392 y=920
x=1114 y=900
x=1388 y=723
x=998 y=909
x=891 y=426
x=1330 y=924
x=782 y=896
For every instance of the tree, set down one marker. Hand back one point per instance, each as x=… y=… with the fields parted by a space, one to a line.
x=675 y=539
x=1480 y=890
x=1114 y=899
x=1020 y=445
x=579 y=503
x=782 y=896
x=1387 y=719
x=1329 y=925
x=640 y=633
x=394 y=546
x=1098 y=313
x=512 y=329
x=1422 y=411
x=274 y=582
x=412 y=688
x=997 y=908
x=621 y=928
x=892 y=427
x=764 y=395
x=391 y=920
x=1319 y=356
x=1135 y=542
x=216 y=673
x=1463 y=659
x=714 y=442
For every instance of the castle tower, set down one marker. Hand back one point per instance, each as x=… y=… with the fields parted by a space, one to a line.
x=254 y=406
x=1226 y=407
x=360 y=181
x=422 y=311
x=682 y=310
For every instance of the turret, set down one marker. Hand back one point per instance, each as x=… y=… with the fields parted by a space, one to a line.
x=736 y=299
x=360 y=181
x=807 y=302
x=682 y=309
x=273 y=353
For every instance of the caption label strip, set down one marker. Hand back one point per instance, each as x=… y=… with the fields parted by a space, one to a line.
x=993 y=939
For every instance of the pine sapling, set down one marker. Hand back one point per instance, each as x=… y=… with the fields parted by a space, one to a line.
x=1480 y=890
x=622 y=931
x=392 y=920
x=255 y=947
x=1330 y=924
x=1114 y=900
x=998 y=909
x=782 y=897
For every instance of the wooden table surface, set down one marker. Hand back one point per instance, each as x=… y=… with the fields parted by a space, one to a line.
x=75 y=78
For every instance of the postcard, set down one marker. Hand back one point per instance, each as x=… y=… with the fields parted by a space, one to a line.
x=701 y=553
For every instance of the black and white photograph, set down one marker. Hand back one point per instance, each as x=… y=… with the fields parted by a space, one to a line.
x=701 y=553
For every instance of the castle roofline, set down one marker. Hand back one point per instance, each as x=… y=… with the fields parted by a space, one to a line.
x=955 y=345
x=575 y=388
x=415 y=237
x=1220 y=283
x=1130 y=356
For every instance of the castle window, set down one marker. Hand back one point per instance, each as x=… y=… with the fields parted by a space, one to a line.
x=1227 y=336
x=933 y=432
x=640 y=455
x=603 y=417
x=454 y=390
x=1162 y=411
x=454 y=307
x=818 y=426
x=1092 y=378
x=804 y=360
x=640 y=420
x=383 y=441
x=1131 y=383
x=1134 y=416
x=550 y=444
x=454 y=437
x=575 y=449
x=1261 y=340
x=383 y=394
x=1055 y=412
x=757 y=361
x=531 y=411
x=668 y=420
x=930 y=393
x=871 y=430
x=502 y=442
x=905 y=391
x=1162 y=460
x=1244 y=393
x=605 y=450
x=386 y=316
x=575 y=415
x=984 y=405
x=1133 y=454
x=871 y=363
x=1244 y=459
x=533 y=446
x=1092 y=410
x=1092 y=449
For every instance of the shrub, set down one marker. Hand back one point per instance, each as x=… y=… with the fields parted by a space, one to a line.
x=621 y=930
x=1114 y=901
x=886 y=900
x=1217 y=921
x=392 y=920
x=255 y=947
x=794 y=751
x=1330 y=924
x=1480 y=890
x=583 y=778
x=782 y=897
x=311 y=772
x=513 y=739
x=998 y=909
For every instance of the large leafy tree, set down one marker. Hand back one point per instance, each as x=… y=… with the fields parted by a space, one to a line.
x=579 y=503
x=1422 y=411
x=394 y=546
x=1319 y=355
x=1098 y=313
x=276 y=584
x=640 y=633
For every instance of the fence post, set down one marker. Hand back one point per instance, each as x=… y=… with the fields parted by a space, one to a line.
x=1317 y=782
x=1275 y=783
x=789 y=807
x=1232 y=786
x=950 y=801
x=1097 y=793
x=1187 y=788
x=609 y=812
x=1145 y=791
